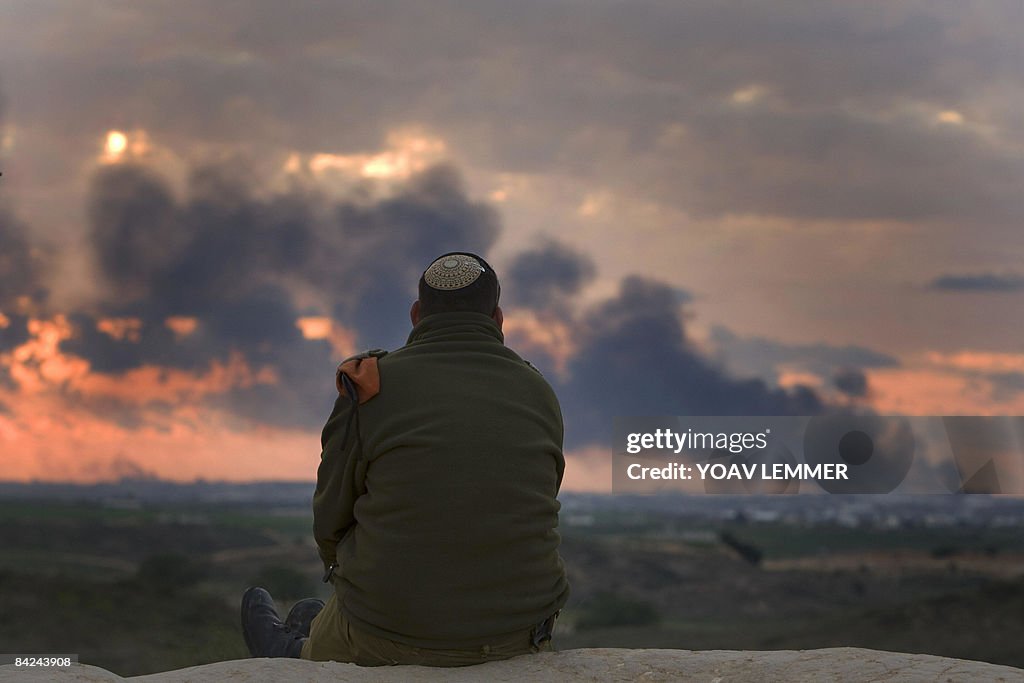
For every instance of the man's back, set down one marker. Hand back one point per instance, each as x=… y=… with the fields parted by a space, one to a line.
x=435 y=512
x=455 y=538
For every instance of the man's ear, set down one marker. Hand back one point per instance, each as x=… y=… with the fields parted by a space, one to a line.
x=414 y=313
x=498 y=316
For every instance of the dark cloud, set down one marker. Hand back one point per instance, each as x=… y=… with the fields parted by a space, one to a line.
x=134 y=219
x=978 y=282
x=851 y=382
x=183 y=259
x=389 y=243
x=764 y=357
x=236 y=263
x=120 y=468
x=545 y=277
x=1006 y=386
x=12 y=334
x=634 y=359
x=21 y=264
x=15 y=332
x=157 y=345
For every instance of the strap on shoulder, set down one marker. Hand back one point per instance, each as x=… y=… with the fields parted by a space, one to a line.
x=358 y=376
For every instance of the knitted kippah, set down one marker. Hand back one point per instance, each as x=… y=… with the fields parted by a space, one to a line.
x=454 y=271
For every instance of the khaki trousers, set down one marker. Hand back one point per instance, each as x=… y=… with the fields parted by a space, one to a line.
x=333 y=638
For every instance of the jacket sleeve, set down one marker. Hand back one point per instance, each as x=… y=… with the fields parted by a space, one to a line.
x=560 y=460
x=339 y=479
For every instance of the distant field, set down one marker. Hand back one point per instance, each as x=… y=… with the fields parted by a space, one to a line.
x=148 y=588
x=282 y=519
x=780 y=541
x=142 y=588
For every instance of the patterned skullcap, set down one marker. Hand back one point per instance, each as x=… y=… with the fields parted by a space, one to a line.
x=453 y=271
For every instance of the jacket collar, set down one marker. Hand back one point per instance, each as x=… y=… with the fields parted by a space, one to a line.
x=461 y=325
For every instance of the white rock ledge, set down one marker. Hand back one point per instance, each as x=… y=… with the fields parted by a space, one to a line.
x=710 y=666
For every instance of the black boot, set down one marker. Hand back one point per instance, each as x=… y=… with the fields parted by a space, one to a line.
x=302 y=613
x=265 y=634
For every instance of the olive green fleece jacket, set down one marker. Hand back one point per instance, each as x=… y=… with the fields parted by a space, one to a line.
x=437 y=496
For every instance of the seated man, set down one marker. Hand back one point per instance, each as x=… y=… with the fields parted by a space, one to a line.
x=435 y=510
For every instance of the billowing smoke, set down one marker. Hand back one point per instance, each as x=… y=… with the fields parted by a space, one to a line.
x=546 y=277
x=236 y=266
x=634 y=359
x=851 y=382
x=242 y=268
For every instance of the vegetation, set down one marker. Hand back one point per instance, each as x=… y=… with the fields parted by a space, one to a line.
x=157 y=587
x=171 y=573
x=284 y=582
x=612 y=609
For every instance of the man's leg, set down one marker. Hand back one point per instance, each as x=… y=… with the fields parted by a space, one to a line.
x=371 y=650
x=328 y=638
x=332 y=637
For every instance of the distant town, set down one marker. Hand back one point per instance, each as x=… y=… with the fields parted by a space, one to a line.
x=892 y=511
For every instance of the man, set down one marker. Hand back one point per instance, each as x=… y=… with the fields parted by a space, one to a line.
x=435 y=510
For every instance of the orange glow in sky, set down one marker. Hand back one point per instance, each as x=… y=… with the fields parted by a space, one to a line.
x=525 y=331
x=121 y=329
x=63 y=420
x=408 y=151
x=182 y=326
x=115 y=146
x=316 y=327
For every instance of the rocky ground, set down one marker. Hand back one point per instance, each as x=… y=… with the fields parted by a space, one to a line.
x=714 y=666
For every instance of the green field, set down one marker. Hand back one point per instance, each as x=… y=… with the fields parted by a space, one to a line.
x=145 y=588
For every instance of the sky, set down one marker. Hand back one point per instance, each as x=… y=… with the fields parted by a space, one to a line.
x=701 y=207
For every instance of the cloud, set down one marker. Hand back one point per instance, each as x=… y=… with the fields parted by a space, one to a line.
x=846 y=122
x=978 y=282
x=1007 y=385
x=846 y=111
x=1003 y=372
x=22 y=271
x=120 y=468
x=206 y=293
x=243 y=269
x=767 y=358
x=851 y=382
x=634 y=359
x=20 y=265
x=13 y=331
x=359 y=258
x=387 y=245
x=545 y=277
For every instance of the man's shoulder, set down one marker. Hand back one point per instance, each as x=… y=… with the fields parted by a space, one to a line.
x=532 y=367
x=362 y=355
x=423 y=360
x=358 y=374
x=418 y=356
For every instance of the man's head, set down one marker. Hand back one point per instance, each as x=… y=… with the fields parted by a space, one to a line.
x=458 y=281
